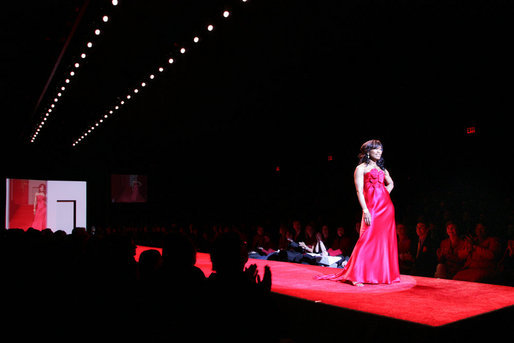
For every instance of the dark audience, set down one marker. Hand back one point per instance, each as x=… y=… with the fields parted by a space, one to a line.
x=89 y=282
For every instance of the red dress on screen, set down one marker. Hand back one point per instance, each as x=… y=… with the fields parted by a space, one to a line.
x=375 y=256
x=39 y=222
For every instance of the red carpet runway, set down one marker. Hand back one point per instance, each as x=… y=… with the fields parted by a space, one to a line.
x=428 y=302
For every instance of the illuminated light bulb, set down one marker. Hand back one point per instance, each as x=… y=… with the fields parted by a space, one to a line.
x=183 y=50
x=122 y=102
x=52 y=105
x=45 y=118
x=72 y=73
x=128 y=96
x=101 y=120
x=67 y=80
x=96 y=124
x=170 y=61
x=196 y=39
x=89 y=44
x=105 y=18
x=161 y=69
x=88 y=131
x=210 y=28
x=152 y=76
x=97 y=32
x=83 y=55
x=143 y=84
x=226 y=14
x=85 y=134
x=136 y=90
x=92 y=127
x=59 y=94
x=47 y=115
x=49 y=110
x=115 y=2
x=63 y=88
x=56 y=99
x=116 y=107
x=77 y=65
x=106 y=116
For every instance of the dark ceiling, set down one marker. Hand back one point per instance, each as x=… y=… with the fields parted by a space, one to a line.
x=275 y=79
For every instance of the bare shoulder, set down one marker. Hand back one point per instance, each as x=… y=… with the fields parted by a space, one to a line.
x=360 y=169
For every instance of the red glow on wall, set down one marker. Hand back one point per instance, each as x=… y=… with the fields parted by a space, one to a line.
x=330 y=157
x=471 y=130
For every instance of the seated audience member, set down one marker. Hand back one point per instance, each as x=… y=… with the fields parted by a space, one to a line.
x=482 y=257
x=405 y=250
x=507 y=264
x=326 y=235
x=310 y=236
x=319 y=251
x=451 y=253
x=425 y=259
x=284 y=237
x=234 y=291
x=264 y=250
x=269 y=245
x=258 y=238
x=298 y=234
x=181 y=281
x=150 y=262
x=342 y=245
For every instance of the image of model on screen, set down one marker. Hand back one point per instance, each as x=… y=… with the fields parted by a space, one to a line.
x=39 y=222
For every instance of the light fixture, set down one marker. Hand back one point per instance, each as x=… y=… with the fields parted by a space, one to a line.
x=143 y=83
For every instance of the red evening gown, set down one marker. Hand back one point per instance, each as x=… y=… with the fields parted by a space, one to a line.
x=375 y=256
x=39 y=222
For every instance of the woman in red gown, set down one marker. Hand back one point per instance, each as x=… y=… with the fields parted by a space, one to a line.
x=374 y=258
x=39 y=222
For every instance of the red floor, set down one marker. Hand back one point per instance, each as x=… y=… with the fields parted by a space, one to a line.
x=428 y=301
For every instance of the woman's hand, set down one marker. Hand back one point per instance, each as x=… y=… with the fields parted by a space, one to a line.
x=367 y=217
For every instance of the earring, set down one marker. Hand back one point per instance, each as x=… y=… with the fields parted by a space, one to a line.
x=367 y=155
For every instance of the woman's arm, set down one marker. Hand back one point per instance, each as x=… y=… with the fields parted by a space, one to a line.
x=388 y=181
x=358 y=178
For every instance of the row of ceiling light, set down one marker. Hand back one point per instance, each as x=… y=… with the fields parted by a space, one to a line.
x=73 y=70
x=69 y=76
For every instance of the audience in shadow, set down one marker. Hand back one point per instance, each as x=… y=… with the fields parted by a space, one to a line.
x=66 y=285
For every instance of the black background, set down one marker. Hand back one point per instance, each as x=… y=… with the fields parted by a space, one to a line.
x=278 y=83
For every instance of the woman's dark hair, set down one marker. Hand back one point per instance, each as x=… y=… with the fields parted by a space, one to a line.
x=366 y=148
